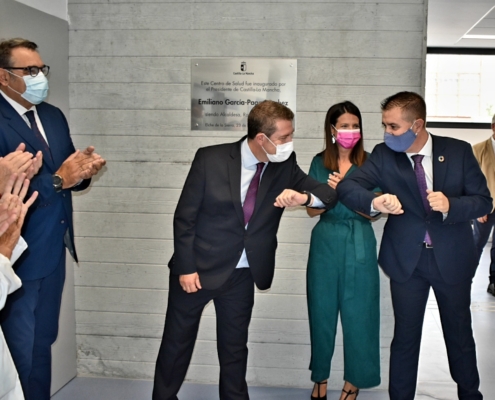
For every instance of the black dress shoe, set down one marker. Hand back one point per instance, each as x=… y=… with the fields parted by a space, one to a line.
x=491 y=289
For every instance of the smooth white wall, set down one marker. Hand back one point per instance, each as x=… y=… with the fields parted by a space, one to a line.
x=57 y=8
x=130 y=96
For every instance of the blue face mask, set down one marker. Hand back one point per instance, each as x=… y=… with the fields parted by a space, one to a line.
x=36 y=88
x=400 y=143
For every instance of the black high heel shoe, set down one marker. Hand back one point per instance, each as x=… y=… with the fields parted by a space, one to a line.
x=350 y=393
x=317 y=385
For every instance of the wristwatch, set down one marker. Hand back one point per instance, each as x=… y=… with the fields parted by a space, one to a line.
x=58 y=182
x=308 y=202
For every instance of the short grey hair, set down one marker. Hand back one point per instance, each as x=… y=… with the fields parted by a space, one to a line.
x=493 y=119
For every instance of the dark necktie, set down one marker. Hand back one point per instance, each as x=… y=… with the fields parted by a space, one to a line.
x=37 y=133
x=250 y=199
x=421 y=179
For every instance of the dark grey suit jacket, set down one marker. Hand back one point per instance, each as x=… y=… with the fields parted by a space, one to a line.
x=209 y=232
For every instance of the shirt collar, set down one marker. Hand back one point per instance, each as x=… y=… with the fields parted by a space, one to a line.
x=249 y=160
x=427 y=149
x=21 y=110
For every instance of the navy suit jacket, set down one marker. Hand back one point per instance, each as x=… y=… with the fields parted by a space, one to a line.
x=209 y=232
x=457 y=175
x=48 y=223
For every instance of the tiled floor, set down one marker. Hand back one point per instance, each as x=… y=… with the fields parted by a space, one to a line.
x=434 y=383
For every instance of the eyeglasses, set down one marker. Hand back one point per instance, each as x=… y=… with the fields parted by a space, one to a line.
x=33 y=70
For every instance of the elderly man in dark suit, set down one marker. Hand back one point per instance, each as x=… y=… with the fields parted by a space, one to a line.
x=225 y=237
x=433 y=188
x=30 y=317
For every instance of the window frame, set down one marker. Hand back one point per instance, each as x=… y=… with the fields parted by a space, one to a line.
x=480 y=51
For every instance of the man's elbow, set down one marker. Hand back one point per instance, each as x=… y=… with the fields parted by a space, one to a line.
x=331 y=199
x=489 y=205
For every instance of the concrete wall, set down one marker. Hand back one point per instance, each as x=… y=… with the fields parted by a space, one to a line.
x=51 y=34
x=130 y=97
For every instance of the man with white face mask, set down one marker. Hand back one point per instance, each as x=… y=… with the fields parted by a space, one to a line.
x=433 y=188
x=30 y=317
x=225 y=237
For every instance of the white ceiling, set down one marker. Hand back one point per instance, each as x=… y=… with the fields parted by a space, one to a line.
x=461 y=23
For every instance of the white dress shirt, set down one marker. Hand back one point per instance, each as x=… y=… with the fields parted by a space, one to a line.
x=248 y=170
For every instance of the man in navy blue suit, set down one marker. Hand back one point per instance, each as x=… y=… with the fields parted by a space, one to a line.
x=433 y=187
x=30 y=317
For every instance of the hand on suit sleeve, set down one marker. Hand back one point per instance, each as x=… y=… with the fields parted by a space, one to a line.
x=334 y=179
x=388 y=203
x=79 y=166
x=190 y=282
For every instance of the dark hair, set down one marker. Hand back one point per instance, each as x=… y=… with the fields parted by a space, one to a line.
x=331 y=153
x=264 y=115
x=412 y=105
x=6 y=47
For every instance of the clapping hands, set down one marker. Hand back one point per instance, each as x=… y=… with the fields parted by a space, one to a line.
x=80 y=165
x=13 y=209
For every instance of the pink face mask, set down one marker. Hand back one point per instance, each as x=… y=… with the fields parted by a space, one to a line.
x=348 y=138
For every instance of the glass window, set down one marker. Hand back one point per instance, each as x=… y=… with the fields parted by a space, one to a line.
x=460 y=87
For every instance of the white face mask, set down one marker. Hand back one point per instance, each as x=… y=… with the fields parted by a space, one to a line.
x=283 y=151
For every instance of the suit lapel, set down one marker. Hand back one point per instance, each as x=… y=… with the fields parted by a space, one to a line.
x=17 y=124
x=265 y=184
x=50 y=133
x=489 y=154
x=407 y=171
x=440 y=162
x=235 y=171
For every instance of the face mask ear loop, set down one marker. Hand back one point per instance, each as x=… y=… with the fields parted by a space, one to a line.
x=333 y=136
x=267 y=138
x=11 y=73
x=262 y=144
x=416 y=133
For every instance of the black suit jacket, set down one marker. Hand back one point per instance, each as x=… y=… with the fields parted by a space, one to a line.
x=209 y=232
x=457 y=175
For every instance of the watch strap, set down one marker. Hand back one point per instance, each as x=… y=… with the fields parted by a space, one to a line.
x=308 y=201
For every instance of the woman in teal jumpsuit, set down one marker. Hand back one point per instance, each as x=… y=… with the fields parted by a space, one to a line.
x=342 y=274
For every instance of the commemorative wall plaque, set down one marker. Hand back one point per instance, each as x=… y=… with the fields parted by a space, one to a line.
x=223 y=91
